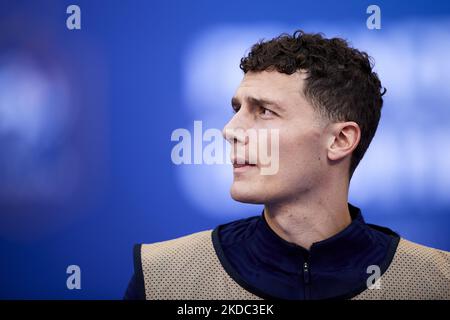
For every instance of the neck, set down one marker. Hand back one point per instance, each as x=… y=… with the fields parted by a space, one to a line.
x=313 y=217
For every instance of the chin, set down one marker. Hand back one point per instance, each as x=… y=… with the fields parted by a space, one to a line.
x=247 y=194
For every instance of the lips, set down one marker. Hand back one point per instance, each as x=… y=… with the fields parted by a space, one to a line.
x=236 y=165
x=240 y=166
x=239 y=162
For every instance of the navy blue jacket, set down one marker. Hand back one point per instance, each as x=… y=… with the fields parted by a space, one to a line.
x=270 y=267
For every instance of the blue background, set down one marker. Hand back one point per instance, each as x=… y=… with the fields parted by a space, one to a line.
x=86 y=118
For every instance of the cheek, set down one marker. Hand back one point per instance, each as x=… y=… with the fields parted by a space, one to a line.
x=299 y=151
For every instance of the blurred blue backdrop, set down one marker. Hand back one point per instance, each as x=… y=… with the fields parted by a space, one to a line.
x=86 y=118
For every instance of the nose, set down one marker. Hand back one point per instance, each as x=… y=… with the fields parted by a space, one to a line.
x=235 y=131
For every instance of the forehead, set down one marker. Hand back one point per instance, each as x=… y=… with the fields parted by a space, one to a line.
x=284 y=89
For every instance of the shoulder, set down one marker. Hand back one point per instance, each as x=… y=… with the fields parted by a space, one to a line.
x=185 y=257
x=199 y=243
x=421 y=258
x=181 y=246
x=192 y=248
x=415 y=257
x=418 y=272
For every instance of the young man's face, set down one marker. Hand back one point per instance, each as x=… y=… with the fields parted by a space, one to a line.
x=272 y=100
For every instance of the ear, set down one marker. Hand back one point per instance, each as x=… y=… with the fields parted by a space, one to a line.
x=345 y=137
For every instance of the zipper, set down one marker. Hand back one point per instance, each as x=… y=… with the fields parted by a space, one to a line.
x=306 y=279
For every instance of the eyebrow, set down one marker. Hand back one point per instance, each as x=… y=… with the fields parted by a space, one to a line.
x=257 y=101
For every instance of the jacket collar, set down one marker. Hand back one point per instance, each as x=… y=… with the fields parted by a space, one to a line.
x=270 y=267
x=332 y=253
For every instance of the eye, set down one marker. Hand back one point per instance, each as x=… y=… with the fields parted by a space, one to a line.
x=266 y=113
x=235 y=109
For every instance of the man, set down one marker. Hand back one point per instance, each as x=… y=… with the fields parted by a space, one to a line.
x=324 y=101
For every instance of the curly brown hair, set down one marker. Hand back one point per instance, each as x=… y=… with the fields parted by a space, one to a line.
x=340 y=83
